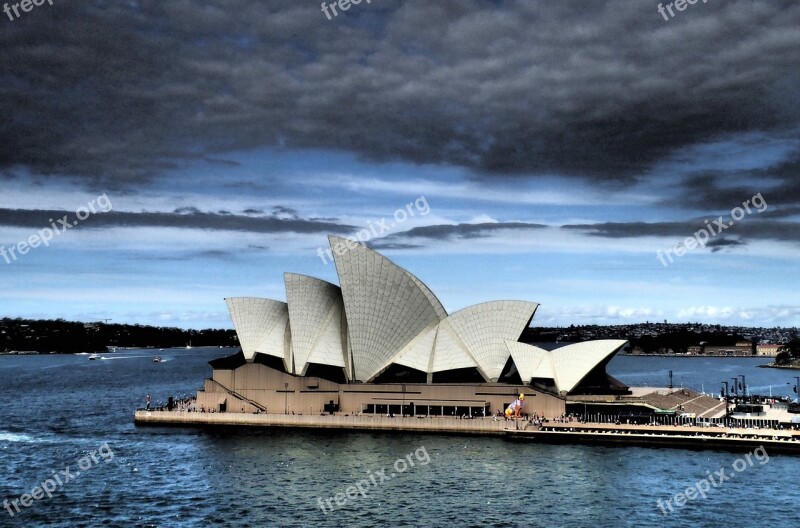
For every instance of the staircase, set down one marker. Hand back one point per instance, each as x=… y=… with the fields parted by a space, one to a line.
x=235 y=394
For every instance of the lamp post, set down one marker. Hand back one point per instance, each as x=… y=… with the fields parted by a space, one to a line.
x=726 y=401
x=735 y=385
x=743 y=385
x=286 y=398
x=403 y=407
x=797 y=386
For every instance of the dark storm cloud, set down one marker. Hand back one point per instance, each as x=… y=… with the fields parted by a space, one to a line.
x=447 y=232
x=214 y=254
x=779 y=187
x=749 y=228
x=386 y=246
x=718 y=244
x=184 y=218
x=284 y=212
x=186 y=210
x=124 y=91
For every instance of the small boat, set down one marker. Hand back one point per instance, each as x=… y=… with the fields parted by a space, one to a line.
x=157 y=359
x=93 y=357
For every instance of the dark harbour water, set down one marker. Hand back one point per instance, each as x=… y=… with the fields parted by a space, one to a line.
x=58 y=409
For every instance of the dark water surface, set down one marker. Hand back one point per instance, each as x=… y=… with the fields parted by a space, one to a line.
x=57 y=409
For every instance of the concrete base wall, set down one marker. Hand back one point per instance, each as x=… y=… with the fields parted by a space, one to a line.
x=481 y=426
x=281 y=393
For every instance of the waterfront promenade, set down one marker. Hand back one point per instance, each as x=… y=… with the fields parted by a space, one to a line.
x=780 y=440
x=774 y=440
x=479 y=426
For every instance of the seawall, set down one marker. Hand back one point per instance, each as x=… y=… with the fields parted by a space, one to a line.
x=777 y=441
x=774 y=441
x=483 y=426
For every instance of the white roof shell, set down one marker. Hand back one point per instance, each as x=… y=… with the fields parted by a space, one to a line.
x=315 y=319
x=484 y=328
x=384 y=315
x=261 y=325
x=386 y=306
x=566 y=366
x=531 y=361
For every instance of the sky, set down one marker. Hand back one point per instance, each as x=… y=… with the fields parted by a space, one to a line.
x=614 y=164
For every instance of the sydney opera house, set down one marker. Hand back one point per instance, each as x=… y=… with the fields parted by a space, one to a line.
x=381 y=342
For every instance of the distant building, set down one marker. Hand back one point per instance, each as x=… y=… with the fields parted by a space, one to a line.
x=769 y=349
x=729 y=350
x=694 y=350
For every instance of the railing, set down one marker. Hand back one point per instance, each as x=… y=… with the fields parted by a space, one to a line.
x=235 y=394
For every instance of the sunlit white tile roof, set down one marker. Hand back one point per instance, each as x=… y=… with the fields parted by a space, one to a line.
x=315 y=319
x=383 y=315
x=386 y=306
x=566 y=366
x=261 y=326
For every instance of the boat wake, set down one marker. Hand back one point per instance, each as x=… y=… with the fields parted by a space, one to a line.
x=6 y=436
x=104 y=358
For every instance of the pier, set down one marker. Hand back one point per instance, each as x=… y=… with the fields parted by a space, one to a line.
x=775 y=440
x=733 y=439
x=477 y=426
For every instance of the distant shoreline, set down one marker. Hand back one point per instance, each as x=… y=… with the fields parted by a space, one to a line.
x=795 y=366
x=102 y=352
x=787 y=367
x=694 y=356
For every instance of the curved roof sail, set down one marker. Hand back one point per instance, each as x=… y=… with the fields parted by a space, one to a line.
x=382 y=315
x=261 y=325
x=315 y=318
x=573 y=362
x=484 y=328
x=531 y=361
x=386 y=306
